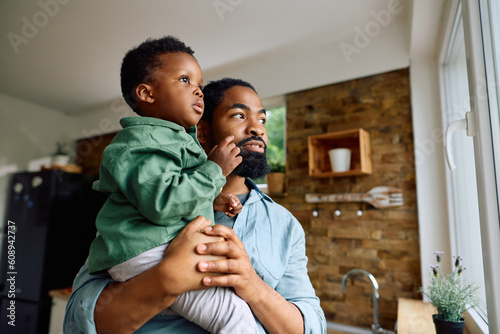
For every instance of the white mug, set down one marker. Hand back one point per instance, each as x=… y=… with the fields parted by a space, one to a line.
x=340 y=159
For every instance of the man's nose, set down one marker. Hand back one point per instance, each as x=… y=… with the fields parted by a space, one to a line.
x=256 y=129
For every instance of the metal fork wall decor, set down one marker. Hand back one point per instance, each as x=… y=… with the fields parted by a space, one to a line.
x=379 y=197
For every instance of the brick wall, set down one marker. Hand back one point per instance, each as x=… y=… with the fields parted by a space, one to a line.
x=383 y=242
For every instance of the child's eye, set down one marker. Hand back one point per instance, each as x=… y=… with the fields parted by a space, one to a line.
x=184 y=79
x=262 y=121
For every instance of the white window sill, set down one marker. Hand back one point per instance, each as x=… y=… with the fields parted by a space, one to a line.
x=475 y=323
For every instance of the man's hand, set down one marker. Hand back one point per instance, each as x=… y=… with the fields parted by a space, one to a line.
x=225 y=154
x=125 y=307
x=228 y=203
x=237 y=269
x=181 y=255
x=274 y=312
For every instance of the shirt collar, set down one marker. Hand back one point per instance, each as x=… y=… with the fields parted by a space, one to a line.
x=140 y=120
x=255 y=193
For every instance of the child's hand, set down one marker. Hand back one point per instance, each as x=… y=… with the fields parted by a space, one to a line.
x=228 y=203
x=225 y=154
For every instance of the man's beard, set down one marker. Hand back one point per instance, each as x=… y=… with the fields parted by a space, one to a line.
x=254 y=164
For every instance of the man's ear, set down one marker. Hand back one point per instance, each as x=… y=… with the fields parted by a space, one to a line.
x=144 y=93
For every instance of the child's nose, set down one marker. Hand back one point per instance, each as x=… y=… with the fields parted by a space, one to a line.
x=198 y=92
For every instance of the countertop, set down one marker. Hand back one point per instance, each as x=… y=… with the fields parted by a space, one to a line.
x=415 y=317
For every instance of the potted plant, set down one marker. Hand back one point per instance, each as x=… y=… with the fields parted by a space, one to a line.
x=451 y=296
x=60 y=156
x=276 y=179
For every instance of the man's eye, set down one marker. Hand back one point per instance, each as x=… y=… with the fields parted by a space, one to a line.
x=262 y=120
x=238 y=116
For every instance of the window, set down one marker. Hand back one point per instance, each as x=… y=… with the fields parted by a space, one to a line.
x=469 y=68
x=275 y=127
x=463 y=200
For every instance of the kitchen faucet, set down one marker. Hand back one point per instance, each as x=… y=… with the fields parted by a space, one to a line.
x=376 y=328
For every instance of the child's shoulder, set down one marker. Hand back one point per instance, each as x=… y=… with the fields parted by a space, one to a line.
x=151 y=137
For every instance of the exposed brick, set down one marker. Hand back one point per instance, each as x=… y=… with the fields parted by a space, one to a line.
x=383 y=242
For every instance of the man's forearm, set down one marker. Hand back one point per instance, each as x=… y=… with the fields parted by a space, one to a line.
x=125 y=307
x=275 y=313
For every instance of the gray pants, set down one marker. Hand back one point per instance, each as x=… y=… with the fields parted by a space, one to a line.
x=217 y=310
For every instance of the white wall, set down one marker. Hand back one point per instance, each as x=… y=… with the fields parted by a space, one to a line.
x=304 y=67
x=27 y=132
x=101 y=119
x=429 y=164
x=288 y=70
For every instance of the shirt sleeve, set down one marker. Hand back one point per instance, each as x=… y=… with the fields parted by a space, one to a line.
x=157 y=182
x=79 y=316
x=295 y=285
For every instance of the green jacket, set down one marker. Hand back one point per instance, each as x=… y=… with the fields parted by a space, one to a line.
x=158 y=178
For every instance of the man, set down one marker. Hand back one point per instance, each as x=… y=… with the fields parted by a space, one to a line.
x=262 y=256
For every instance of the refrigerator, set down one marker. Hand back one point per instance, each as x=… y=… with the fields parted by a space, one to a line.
x=48 y=228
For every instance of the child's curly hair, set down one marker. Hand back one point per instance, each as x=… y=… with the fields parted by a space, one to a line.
x=141 y=62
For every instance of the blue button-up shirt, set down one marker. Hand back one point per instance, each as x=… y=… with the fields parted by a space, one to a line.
x=275 y=243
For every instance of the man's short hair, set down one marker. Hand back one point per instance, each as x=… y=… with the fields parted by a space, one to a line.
x=214 y=92
x=140 y=64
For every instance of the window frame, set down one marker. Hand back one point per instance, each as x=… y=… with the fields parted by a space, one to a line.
x=477 y=31
x=476 y=15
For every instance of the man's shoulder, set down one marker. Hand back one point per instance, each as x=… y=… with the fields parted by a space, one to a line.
x=275 y=213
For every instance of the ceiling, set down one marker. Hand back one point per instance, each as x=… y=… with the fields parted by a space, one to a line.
x=66 y=54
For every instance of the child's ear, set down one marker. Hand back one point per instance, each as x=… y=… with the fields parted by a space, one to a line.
x=203 y=134
x=202 y=131
x=144 y=93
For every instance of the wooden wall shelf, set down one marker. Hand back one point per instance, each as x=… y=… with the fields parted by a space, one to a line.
x=357 y=140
